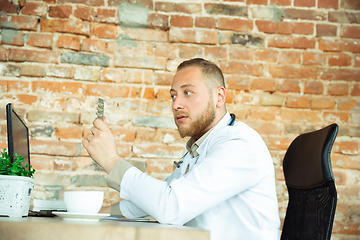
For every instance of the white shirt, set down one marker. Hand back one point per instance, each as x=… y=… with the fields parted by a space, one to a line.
x=229 y=190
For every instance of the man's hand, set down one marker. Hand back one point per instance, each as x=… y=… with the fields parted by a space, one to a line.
x=101 y=146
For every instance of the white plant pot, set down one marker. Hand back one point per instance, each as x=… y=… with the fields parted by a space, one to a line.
x=15 y=195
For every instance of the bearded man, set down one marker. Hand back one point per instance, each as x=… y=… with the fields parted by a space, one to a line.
x=225 y=181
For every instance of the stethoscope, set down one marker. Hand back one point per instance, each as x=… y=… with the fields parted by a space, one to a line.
x=231 y=123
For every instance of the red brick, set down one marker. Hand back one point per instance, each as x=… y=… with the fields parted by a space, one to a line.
x=293 y=13
x=17 y=85
x=32 y=70
x=205 y=22
x=156 y=20
x=40 y=40
x=238 y=82
x=147 y=62
x=267 y=26
x=235 y=24
x=93 y=45
x=233 y=67
x=303 y=28
x=68 y=132
x=163 y=94
x=323 y=103
x=348 y=105
x=181 y=21
x=339 y=60
x=35 y=8
x=297 y=102
x=2 y=54
x=350 y=4
x=291 y=42
x=332 y=45
x=60 y=71
x=66 y=26
x=289 y=86
x=85 y=13
x=60 y=11
x=54 y=148
x=357 y=61
x=304 y=72
x=323 y=30
x=355 y=90
x=106 y=15
x=332 y=74
x=328 y=4
x=258 y=2
x=106 y=30
x=241 y=53
x=22 y=55
x=346 y=147
x=313 y=87
x=8 y=7
x=17 y=40
x=111 y=90
x=138 y=49
x=344 y=17
x=69 y=42
x=294 y=116
x=290 y=57
x=193 y=36
x=350 y=32
x=281 y=2
x=267 y=55
x=285 y=28
x=215 y=52
x=338 y=89
x=178 y=7
x=124 y=135
x=266 y=85
x=146 y=34
x=166 y=50
x=87 y=2
x=304 y=3
x=72 y=88
x=23 y=99
x=21 y=22
x=336 y=116
x=312 y=58
x=186 y=51
x=164 y=79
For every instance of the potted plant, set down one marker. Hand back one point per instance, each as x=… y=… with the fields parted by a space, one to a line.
x=16 y=184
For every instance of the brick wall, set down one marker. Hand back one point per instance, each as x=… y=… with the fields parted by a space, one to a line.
x=291 y=66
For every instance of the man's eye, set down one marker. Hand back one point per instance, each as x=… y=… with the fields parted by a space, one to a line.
x=173 y=97
x=187 y=92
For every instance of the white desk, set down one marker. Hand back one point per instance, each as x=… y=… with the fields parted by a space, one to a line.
x=41 y=228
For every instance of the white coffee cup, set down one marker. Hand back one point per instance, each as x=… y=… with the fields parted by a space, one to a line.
x=83 y=201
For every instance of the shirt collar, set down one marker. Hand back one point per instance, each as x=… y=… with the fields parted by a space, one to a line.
x=192 y=145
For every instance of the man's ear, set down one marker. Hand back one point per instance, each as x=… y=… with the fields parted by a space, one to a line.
x=220 y=96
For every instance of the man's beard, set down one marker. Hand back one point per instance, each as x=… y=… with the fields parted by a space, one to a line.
x=200 y=123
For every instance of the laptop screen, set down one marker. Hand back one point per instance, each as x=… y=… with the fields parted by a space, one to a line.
x=18 y=135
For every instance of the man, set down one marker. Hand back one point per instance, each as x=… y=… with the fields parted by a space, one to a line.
x=225 y=181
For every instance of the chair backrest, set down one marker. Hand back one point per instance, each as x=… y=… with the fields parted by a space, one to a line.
x=310 y=182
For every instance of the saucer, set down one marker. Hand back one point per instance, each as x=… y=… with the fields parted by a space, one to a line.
x=81 y=216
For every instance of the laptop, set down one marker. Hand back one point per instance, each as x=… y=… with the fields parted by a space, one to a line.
x=17 y=134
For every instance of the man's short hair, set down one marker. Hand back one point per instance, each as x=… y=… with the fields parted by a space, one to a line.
x=210 y=71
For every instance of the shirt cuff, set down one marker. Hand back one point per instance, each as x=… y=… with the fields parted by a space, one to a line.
x=116 y=174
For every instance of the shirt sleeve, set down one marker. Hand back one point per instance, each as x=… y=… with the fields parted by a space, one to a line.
x=231 y=166
x=116 y=174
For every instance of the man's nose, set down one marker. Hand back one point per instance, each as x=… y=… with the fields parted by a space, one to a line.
x=177 y=103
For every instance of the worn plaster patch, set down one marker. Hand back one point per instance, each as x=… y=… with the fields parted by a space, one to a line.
x=8 y=35
x=133 y=16
x=272 y=13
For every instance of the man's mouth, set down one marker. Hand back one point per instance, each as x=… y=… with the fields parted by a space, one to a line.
x=180 y=118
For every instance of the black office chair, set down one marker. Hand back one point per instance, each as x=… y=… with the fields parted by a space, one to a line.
x=310 y=182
